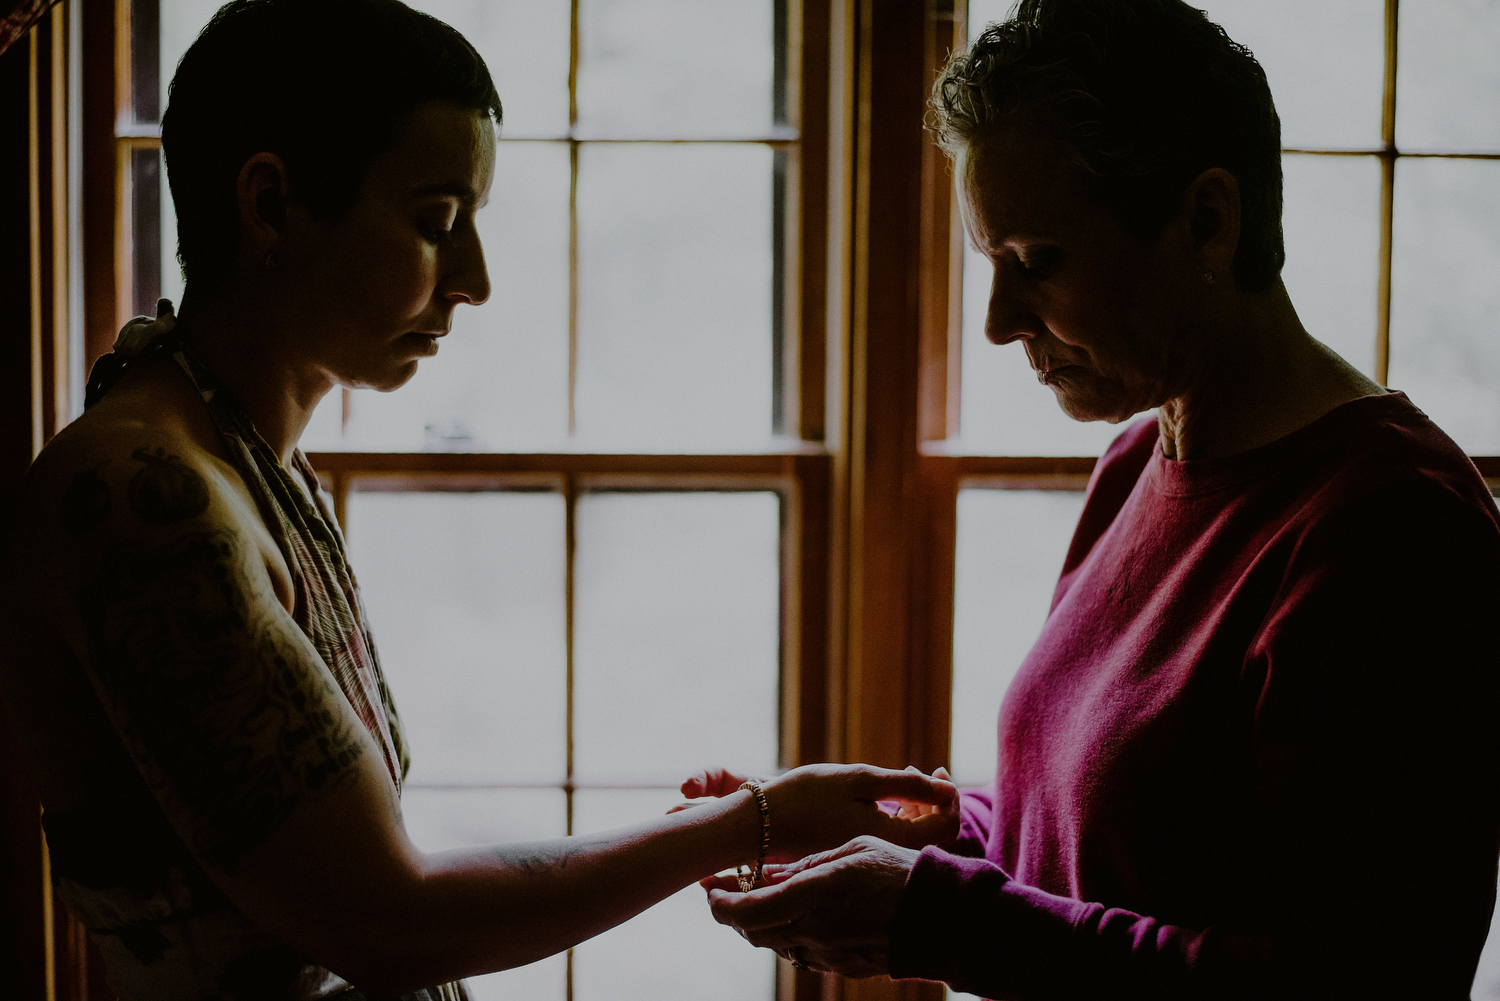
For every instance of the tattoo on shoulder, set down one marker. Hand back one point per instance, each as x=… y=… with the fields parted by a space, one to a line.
x=231 y=724
x=85 y=504
x=167 y=490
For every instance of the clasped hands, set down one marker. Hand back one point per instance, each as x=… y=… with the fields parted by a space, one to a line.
x=845 y=839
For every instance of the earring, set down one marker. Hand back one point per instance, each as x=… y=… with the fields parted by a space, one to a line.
x=271 y=261
x=1208 y=277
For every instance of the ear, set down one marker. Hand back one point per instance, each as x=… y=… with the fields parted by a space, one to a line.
x=263 y=192
x=1211 y=206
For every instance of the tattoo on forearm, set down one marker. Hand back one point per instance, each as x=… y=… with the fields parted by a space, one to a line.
x=168 y=490
x=229 y=722
x=85 y=504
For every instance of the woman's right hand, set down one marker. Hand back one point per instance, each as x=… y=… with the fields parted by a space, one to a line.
x=819 y=807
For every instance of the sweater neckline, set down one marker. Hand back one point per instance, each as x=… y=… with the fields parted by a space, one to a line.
x=1181 y=478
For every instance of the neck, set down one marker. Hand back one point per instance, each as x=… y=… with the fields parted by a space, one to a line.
x=1259 y=379
x=254 y=352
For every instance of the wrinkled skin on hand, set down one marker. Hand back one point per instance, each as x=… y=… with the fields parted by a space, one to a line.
x=832 y=911
x=818 y=807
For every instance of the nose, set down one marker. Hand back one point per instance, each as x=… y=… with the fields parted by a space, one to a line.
x=1008 y=316
x=469 y=281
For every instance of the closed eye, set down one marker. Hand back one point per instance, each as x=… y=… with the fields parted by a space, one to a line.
x=1039 y=264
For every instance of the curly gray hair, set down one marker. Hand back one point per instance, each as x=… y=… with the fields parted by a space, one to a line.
x=1143 y=94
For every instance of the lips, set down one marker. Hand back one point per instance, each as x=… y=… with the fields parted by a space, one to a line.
x=1048 y=376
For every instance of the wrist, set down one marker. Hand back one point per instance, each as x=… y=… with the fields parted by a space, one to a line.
x=749 y=880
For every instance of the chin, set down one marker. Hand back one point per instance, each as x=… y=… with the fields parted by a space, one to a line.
x=1084 y=409
x=390 y=379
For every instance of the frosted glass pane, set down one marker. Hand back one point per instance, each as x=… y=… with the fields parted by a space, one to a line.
x=438 y=820
x=1445 y=296
x=324 y=433
x=466 y=600
x=181 y=20
x=676 y=661
x=673 y=950
x=1448 y=79
x=674 y=323
x=500 y=379
x=675 y=68
x=1010 y=549
x=982 y=12
x=1325 y=61
x=525 y=46
x=1331 y=221
x=1487 y=978
x=1003 y=409
x=171 y=270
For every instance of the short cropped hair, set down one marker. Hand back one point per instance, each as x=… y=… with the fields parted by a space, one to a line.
x=324 y=84
x=1145 y=95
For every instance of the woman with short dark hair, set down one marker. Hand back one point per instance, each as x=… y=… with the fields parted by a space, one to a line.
x=1255 y=751
x=187 y=663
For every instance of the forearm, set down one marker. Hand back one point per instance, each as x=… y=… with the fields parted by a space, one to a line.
x=963 y=921
x=472 y=911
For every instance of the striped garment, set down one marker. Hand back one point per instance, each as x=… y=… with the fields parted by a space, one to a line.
x=166 y=931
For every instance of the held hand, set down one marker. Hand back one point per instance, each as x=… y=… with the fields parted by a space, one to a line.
x=817 y=807
x=830 y=912
x=713 y=782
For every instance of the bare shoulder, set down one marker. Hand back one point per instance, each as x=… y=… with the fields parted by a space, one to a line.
x=135 y=473
x=143 y=560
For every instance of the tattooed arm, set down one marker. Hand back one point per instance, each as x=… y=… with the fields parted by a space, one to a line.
x=175 y=600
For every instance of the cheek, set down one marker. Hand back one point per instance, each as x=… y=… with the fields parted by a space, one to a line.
x=383 y=275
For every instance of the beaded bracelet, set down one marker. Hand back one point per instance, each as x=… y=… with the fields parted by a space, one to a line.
x=749 y=880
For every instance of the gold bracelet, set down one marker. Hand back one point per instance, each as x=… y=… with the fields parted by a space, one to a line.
x=749 y=880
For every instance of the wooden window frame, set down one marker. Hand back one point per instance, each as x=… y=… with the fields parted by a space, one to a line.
x=871 y=306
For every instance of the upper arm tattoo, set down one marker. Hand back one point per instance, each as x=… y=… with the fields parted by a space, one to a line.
x=229 y=721
x=168 y=490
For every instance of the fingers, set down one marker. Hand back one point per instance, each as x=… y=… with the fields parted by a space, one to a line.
x=910 y=786
x=712 y=782
x=756 y=911
x=919 y=832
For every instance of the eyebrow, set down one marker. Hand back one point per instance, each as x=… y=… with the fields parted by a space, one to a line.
x=453 y=189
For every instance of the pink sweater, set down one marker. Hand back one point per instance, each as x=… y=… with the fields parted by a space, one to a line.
x=1255 y=751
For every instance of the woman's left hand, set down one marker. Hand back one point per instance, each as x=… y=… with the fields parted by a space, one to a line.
x=816 y=807
x=832 y=911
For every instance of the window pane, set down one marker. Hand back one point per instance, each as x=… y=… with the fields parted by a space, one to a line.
x=675 y=68
x=983 y=12
x=1445 y=296
x=1331 y=221
x=525 y=45
x=466 y=600
x=1003 y=409
x=146 y=190
x=1010 y=549
x=441 y=819
x=673 y=950
x=674 y=325
x=181 y=20
x=171 y=270
x=1448 y=79
x=676 y=659
x=1325 y=62
x=1487 y=977
x=500 y=379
